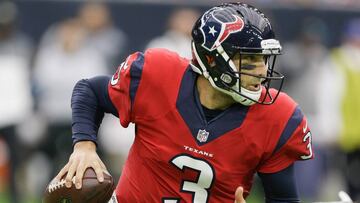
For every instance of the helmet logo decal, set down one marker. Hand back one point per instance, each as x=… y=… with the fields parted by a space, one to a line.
x=212 y=31
x=216 y=31
x=231 y=27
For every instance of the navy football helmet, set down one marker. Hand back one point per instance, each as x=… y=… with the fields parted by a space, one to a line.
x=229 y=29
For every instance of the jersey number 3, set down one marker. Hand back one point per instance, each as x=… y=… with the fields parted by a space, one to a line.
x=200 y=188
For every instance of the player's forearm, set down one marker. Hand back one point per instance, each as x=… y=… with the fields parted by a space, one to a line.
x=281 y=186
x=89 y=102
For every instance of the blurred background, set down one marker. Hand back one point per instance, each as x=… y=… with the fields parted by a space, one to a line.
x=48 y=45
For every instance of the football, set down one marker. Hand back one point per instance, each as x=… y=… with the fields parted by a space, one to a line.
x=92 y=191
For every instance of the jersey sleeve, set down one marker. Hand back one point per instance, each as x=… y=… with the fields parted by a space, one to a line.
x=294 y=144
x=124 y=84
x=145 y=86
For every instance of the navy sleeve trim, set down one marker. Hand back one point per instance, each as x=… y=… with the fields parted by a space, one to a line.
x=99 y=85
x=135 y=74
x=290 y=127
x=281 y=186
x=89 y=102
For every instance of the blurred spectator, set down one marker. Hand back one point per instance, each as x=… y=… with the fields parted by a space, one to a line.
x=16 y=101
x=300 y=64
x=68 y=55
x=80 y=47
x=300 y=61
x=102 y=34
x=115 y=141
x=64 y=52
x=340 y=78
x=110 y=42
x=177 y=37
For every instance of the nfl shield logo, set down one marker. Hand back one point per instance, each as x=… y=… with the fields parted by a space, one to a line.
x=202 y=135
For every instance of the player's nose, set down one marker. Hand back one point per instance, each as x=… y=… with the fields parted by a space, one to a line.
x=260 y=70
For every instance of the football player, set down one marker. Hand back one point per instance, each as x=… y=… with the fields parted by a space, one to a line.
x=204 y=127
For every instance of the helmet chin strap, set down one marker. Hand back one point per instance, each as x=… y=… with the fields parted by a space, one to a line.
x=249 y=97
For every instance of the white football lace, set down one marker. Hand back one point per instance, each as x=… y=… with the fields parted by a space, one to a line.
x=58 y=184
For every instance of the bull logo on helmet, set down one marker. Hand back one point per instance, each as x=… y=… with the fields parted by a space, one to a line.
x=216 y=31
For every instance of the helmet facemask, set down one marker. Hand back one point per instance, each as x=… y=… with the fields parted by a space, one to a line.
x=219 y=68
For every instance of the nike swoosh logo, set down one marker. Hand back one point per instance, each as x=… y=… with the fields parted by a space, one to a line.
x=305 y=127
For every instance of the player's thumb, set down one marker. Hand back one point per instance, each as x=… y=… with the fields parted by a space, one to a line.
x=239 y=198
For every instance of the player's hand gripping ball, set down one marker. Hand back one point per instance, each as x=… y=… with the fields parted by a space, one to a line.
x=92 y=191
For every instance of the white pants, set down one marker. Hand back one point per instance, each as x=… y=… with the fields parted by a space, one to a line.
x=113 y=198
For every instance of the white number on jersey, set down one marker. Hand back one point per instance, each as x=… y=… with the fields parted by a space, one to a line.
x=123 y=66
x=204 y=182
x=307 y=137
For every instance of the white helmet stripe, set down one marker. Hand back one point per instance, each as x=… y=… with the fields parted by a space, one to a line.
x=203 y=70
x=226 y=57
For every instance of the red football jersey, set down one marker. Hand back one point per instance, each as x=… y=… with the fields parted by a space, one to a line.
x=177 y=155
